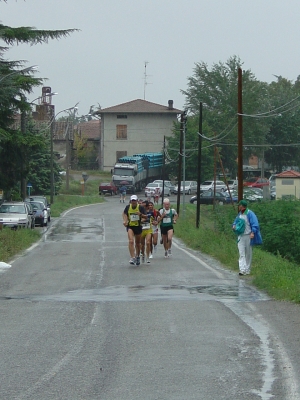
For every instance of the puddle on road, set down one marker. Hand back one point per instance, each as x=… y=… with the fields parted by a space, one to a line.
x=76 y=231
x=238 y=292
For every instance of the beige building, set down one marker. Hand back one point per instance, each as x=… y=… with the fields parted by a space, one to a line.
x=288 y=184
x=138 y=126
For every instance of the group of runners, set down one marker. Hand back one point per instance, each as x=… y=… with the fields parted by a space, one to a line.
x=142 y=222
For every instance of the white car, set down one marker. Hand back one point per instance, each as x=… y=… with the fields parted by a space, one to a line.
x=232 y=184
x=169 y=184
x=154 y=187
x=210 y=185
x=189 y=187
x=15 y=215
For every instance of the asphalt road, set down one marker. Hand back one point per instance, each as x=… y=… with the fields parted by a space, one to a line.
x=79 y=322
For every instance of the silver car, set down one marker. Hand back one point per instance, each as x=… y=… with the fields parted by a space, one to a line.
x=189 y=187
x=209 y=185
x=15 y=214
x=168 y=184
x=153 y=188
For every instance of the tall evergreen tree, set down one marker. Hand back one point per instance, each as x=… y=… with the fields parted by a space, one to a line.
x=15 y=83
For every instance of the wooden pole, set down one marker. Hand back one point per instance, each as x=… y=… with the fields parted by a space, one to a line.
x=240 y=136
x=199 y=167
x=180 y=161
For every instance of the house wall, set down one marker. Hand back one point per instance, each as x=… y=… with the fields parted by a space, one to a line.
x=145 y=133
x=287 y=187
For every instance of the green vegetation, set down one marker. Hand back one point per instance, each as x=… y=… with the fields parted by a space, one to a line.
x=65 y=201
x=275 y=267
x=273 y=273
x=13 y=242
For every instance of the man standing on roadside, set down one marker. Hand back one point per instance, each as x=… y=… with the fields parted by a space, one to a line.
x=123 y=190
x=132 y=216
x=167 y=217
x=246 y=227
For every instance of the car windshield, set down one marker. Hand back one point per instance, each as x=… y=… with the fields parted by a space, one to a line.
x=37 y=206
x=206 y=183
x=8 y=208
x=151 y=185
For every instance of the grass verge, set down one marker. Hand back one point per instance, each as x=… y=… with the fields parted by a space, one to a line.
x=273 y=274
x=13 y=242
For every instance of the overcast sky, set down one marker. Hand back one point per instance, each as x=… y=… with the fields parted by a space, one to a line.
x=105 y=61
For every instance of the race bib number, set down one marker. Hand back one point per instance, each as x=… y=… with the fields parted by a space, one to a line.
x=134 y=217
x=167 y=220
x=146 y=225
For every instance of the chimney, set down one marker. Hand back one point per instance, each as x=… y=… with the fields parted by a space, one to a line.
x=170 y=104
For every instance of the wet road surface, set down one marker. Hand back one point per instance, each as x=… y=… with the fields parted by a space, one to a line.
x=80 y=322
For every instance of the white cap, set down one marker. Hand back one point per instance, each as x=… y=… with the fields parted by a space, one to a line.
x=133 y=197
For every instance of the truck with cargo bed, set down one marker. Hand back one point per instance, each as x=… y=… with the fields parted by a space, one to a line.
x=136 y=171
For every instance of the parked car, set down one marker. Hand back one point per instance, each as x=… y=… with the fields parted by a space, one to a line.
x=40 y=213
x=44 y=200
x=249 y=194
x=15 y=215
x=210 y=185
x=151 y=188
x=208 y=197
x=233 y=184
x=32 y=223
x=256 y=182
x=273 y=193
x=272 y=180
x=189 y=187
x=169 y=184
x=108 y=187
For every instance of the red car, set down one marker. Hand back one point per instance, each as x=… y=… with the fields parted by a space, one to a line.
x=109 y=187
x=256 y=182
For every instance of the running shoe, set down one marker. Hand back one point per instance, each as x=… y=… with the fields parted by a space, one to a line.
x=137 y=261
x=148 y=261
x=166 y=254
x=132 y=261
x=169 y=252
x=151 y=255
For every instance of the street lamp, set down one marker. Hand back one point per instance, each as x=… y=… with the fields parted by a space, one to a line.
x=52 y=125
x=24 y=70
x=41 y=97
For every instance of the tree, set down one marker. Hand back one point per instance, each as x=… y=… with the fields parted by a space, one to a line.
x=217 y=89
x=284 y=121
x=191 y=150
x=16 y=143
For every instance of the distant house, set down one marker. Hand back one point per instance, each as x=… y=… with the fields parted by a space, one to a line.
x=288 y=184
x=91 y=131
x=138 y=126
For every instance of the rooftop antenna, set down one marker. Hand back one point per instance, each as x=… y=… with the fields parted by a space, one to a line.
x=145 y=78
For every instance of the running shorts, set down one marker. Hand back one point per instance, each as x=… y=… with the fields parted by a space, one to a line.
x=137 y=230
x=164 y=229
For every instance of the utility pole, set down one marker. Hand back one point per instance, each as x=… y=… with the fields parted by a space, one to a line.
x=240 y=136
x=180 y=162
x=52 y=129
x=199 y=166
x=23 y=157
x=183 y=172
